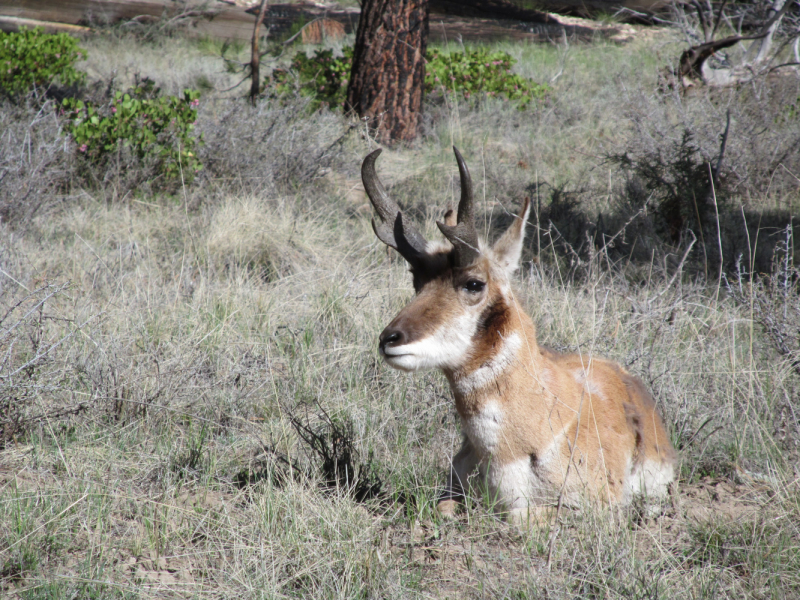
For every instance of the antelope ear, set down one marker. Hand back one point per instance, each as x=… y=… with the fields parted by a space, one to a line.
x=450 y=218
x=508 y=249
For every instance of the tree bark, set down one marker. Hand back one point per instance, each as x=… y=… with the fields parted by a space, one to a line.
x=255 y=56
x=388 y=74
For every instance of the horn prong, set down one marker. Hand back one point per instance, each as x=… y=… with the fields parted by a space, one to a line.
x=465 y=243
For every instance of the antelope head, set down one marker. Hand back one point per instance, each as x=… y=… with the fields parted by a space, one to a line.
x=463 y=306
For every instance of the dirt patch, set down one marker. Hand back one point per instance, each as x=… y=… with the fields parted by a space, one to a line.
x=712 y=499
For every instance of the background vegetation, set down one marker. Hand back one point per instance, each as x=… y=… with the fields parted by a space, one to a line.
x=191 y=401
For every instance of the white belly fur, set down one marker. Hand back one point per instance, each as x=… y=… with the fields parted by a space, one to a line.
x=516 y=484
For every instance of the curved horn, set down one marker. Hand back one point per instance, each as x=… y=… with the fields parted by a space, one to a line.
x=463 y=235
x=465 y=205
x=391 y=227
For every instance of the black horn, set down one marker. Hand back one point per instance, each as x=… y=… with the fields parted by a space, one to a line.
x=463 y=235
x=391 y=227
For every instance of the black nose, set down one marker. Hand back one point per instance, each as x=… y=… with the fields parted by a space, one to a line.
x=391 y=337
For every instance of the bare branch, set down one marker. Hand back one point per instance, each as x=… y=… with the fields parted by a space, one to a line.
x=722 y=146
x=719 y=18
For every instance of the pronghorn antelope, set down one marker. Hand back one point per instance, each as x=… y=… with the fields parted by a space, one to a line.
x=538 y=426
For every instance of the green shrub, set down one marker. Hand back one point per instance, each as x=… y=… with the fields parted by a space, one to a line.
x=33 y=58
x=322 y=77
x=479 y=71
x=154 y=127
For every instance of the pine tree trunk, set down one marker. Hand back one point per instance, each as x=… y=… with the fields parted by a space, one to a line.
x=255 y=55
x=388 y=76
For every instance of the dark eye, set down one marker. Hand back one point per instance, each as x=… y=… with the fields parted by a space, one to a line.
x=474 y=286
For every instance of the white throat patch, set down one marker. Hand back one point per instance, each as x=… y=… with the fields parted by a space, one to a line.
x=493 y=368
x=485 y=428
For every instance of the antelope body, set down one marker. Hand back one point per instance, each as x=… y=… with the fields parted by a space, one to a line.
x=538 y=426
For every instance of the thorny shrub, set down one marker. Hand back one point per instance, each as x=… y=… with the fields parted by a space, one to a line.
x=677 y=178
x=26 y=360
x=331 y=446
x=271 y=147
x=36 y=167
x=720 y=167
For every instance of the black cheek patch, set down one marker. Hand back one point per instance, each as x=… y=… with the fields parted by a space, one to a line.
x=492 y=322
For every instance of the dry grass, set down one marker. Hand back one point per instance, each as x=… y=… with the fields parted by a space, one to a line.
x=157 y=349
x=121 y=55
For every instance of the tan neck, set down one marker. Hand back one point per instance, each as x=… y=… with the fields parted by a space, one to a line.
x=495 y=369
